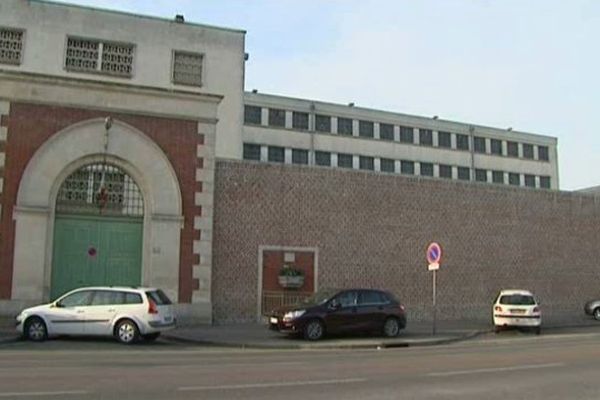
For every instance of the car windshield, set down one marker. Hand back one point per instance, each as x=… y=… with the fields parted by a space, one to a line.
x=517 y=300
x=320 y=297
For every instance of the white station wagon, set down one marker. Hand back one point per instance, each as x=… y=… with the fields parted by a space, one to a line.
x=126 y=313
x=517 y=308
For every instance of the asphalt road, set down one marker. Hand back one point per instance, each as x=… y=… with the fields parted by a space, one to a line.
x=514 y=366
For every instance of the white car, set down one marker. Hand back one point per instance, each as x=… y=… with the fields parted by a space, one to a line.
x=517 y=308
x=127 y=313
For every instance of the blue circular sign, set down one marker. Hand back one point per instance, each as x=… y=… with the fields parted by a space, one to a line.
x=434 y=253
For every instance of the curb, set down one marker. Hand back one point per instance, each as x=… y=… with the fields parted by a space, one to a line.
x=9 y=339
x=325 y=346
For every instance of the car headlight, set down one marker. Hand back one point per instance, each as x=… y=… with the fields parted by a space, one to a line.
x=21 y=317
x=293 y=314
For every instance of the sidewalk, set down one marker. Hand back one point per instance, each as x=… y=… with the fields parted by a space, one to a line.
x=257 y=335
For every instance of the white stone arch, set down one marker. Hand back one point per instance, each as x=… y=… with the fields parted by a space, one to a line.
x=66 y=151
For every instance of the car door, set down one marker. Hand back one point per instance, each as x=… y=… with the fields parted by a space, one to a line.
x=371 y=310
x=102 y=311
x=342 y=312
x=67 y=316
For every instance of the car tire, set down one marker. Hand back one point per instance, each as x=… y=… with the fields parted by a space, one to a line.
x=127 y=332
x=35 y=329
x=391 y=327
x=151 y=337
x=497 y=328
x=597 y=313
x=537 y=330
x=314 y=330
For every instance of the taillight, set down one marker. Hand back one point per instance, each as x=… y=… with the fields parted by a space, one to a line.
x=401 y=307
x=152 y=309
x=498 y=308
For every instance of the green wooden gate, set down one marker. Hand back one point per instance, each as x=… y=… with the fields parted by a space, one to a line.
x=98 y=231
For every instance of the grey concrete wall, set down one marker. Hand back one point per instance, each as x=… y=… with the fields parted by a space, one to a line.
x=372 y=230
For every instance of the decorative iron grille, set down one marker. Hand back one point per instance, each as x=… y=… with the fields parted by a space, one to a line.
x=88 y=55
x=100 y=189
x=11 y=46
x=187 y=68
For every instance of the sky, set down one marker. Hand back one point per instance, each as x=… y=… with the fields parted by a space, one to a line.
x=531 y=65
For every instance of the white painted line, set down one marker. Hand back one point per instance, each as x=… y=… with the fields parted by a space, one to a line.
x=270 y=385
x=40 y=394
x=500 y=369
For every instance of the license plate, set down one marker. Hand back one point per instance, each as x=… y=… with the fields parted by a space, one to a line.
x=273 y=320
x=168 y=319
x=517 y=311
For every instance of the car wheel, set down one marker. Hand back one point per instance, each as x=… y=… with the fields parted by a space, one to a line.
x=497 y=328
x=537 y=330
x=597 y=314
x=391 y=327
x=151 y=337
x=127 y=332
x=314 y=330
x=35 y=329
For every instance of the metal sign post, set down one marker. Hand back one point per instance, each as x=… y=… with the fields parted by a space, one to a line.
x=434 y=255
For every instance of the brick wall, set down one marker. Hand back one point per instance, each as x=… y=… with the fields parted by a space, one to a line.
x=372 y=230
x=30 y=125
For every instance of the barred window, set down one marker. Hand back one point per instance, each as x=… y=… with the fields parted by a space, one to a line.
x=251 y=151
x=445 y=171
x=300 y=120
x=386 y=131
x=444 y=139
x=366 y=163
x=87 y=55
x=299 y=156
x=543 y=153
x=529 y=180
x=276 y=117
x=365 y=128
x=323 y=123
x=497 y=176
x=345 y=126
x=408 y=168
x=528 y=151
x=512 y=149
x=514 y=179
x=481 y=175
x=407 y=134
x=187 y=68
x=496 y=146
x=426 y=169
x=387 y=165
x=252 y=115
x=426 y=137
x=462 y=142
x=464 y=173
x=545 y=182
x=11 y=46
x=323 y=158
x=479 y=144
x=345 y=160
x=276 y=154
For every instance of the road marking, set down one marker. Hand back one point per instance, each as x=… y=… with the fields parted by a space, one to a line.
x=40 y=394
x=500 y=369
x=270 y=385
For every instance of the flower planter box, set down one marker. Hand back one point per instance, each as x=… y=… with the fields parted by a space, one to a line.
x=291 y=282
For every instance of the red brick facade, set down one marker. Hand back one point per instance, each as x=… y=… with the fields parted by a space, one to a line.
x=30 y=125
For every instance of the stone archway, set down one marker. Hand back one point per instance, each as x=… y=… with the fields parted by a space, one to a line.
x=67 y=151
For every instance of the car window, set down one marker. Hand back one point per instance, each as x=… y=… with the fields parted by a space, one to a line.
x=132 y=298
x=517 y=300
x=346 y=299
x=76 y=299
x=369 y=297
x=158 y=297
x=105 y=297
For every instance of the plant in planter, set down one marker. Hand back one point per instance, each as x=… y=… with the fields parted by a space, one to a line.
x=290 y=277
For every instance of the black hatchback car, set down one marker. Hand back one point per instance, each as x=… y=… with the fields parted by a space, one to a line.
x=341 y=311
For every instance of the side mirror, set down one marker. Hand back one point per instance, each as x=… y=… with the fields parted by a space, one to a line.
x=57 y=304
x=334 y=305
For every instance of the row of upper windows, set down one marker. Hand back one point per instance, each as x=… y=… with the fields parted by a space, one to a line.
x=324 y=158
x=103 y=57
x=406 y=134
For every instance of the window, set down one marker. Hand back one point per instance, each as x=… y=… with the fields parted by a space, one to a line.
x=187 y=68
x=445 y=171
x=496 y=146
x=386 y=131
x=517 y=300
x=529 y=180
x=479 y=144
x=426 y=137
x=408 y=168
x=77 y=299
x=464 y=173
x=365 y=129
x=345 y=126
x=322 y=123
x=407 y=134
x=276 y=154
x=252 y=115
x=462 y=142
x=345 y=160
x=497 y=176
x=11 y=46
x=105 y=297
x=251 y=151
x=545 y=182
x=481 y=175
x=346 y=299
x=514 y=179
x=543 y=153
x=300 y=120
x=512 y=149
x=387 y=165
x=370 y=297
x=444 y=139
x=323 y=158
x=366 y=163
x=528 y=151
x=158 y=297
x=276 y=117
x=299 y=156
x=87 y=55
x=132 y=298
x=426 y=169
